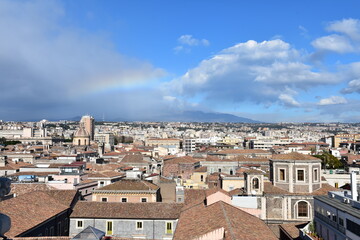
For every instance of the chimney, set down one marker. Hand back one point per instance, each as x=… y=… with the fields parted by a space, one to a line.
x=354 y=193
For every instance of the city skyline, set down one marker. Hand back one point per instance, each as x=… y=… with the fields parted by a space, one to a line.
x=270 y=61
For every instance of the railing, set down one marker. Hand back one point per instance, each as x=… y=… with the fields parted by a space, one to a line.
x=326 y=220
x=341 y=229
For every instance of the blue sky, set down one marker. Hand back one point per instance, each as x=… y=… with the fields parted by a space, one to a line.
x=266 y=60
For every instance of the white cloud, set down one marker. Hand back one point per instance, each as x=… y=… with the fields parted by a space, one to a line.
x=191 y=41
x=349 y=27
x=333 y=100
x=169 y=98
x=288 y=100
x=334 y=42
x=188 y=41
x=304 y=32
x=353 y=86
x=346 y=39
x=267 y=72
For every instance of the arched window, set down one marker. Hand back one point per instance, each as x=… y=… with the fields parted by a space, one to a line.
x=231 y=172
x=255 y=183
x=302 y=209
x=79 y=142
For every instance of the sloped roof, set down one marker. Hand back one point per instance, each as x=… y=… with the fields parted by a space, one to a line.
x=133 y=158
x=293 y=156
x=185 y=159
x=29 y=210
x=127 y=184
x=200 y=219
x=90 y=233
x=269 y=188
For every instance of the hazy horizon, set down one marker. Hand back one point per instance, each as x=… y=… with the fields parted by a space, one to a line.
x=277 y=61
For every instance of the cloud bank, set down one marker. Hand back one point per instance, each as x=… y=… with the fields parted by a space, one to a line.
x=46 y=66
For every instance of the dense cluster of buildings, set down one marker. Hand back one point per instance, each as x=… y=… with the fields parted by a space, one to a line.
x=88 y=180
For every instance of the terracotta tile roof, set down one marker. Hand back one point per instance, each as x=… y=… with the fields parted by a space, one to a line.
x=23 y=188
x=236 y=191
x=293 y=156
x=104 y=174
x=113 y=210
x=103 y=167
x=126 y=184
x=271 y=189
x=253 y=171
x=24 y=216
x=292 y=229
x=113 y=154
x=133 y=158
x=166 y=180
x=195 y=196
x=65 y=197
x=201 y=169
x=13 y=166
x=211 y=191
x=243 y=151
x=200 y=219
x=39 y=174
x=185 y=159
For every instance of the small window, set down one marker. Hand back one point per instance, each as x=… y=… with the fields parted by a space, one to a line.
x=219 y=170
x=255 y=183
x=169 y=228
x=341 y=221
x=52 y=232
x=300 y=175
x=316 y=176
x=302 y=209
x=79 y=224
x=139 y=225
x=59 y=229
x=282 y=175
x=109 y=227
x=104 y=199
x=66 y=224
x=143 y=199
x=123 y=199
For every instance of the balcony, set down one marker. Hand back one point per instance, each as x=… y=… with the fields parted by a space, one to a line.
x=329 y=222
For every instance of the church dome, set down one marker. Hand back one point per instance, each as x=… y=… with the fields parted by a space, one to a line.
x=81 y=132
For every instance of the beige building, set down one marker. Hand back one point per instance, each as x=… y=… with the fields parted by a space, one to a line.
x=231 y=182
x=89 y=124
x=127 y=190
x=152 y=142
x=337 y=139
x=197 y=179
x=81 y=137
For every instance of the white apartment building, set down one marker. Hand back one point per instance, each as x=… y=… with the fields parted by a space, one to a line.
x=337 y=215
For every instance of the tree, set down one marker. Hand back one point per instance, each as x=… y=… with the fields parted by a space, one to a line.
x=329 y=161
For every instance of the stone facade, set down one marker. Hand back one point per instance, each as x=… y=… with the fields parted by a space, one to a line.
x=127 y=228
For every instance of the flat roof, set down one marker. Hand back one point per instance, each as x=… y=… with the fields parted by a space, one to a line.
x=336 y=203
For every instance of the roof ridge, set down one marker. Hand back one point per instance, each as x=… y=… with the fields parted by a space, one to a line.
x=146 y=183
x=227 y=220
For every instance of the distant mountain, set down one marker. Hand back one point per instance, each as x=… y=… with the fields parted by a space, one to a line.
x=193 y=116
x=199 y=116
